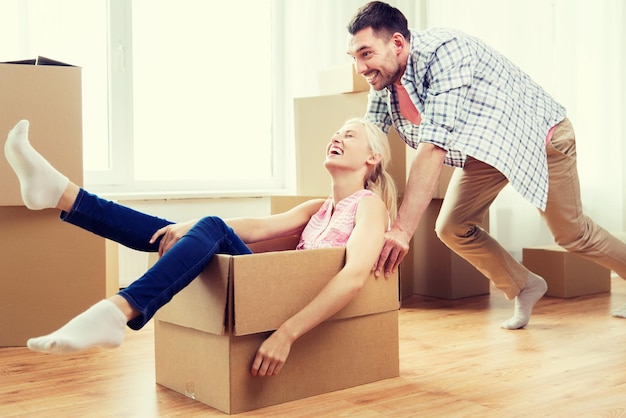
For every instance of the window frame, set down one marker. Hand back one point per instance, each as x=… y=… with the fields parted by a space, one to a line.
x=118 y=180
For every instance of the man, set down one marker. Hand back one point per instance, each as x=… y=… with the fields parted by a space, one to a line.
x=460 y=103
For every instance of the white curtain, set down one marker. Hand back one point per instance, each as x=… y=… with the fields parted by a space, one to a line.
x=574 y=48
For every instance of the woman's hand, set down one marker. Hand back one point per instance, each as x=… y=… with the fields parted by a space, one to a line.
x=272 y=354
x=171 y=234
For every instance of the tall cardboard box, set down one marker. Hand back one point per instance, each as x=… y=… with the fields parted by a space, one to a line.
x=317 y=118
x=47 y=93
x=207 y=336
x=567 y=274
x=51 y=271
x=437 y=270
x=280 y=204
x=341 y=79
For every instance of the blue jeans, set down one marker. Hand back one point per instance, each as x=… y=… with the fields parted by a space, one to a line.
x=133 y=229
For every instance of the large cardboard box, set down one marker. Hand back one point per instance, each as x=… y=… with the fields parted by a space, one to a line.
x=567 y=274
x=280 y=204
x=342 y=79
x=48 y=93
x=444 y=176
x=51 y=271
x=207 y=336
x=316 y=120
x=437 y=270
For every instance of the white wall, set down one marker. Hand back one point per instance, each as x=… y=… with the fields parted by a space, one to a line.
x=575 y=50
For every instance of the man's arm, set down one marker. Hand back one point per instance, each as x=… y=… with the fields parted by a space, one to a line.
x=420 y=187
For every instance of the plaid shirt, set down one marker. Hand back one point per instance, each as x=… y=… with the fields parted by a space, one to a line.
x=473 y=101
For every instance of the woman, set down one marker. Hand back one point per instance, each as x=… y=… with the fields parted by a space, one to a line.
x=356 y=216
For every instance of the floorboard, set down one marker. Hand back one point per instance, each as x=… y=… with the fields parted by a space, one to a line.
x=455 y=361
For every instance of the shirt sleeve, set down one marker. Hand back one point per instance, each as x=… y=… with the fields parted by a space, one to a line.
x=447 y=82
x=378 y=110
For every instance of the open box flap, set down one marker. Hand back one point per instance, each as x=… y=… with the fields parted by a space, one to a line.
x=40 y=61
x=202 y=304
x=269 y=288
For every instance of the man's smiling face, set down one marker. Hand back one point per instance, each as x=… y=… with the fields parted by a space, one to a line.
x=375 y=58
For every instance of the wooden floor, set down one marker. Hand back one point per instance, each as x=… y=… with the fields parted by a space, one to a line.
x=455 y=361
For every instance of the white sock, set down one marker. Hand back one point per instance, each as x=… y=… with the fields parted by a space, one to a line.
x=619 y=312
x=102 y=325
x=535 y=288
x=41 y=184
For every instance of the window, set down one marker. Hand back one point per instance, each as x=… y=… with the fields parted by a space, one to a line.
x=178 y=96
x=71 y=31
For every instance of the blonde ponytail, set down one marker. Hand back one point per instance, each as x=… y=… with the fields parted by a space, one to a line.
x=379 y=180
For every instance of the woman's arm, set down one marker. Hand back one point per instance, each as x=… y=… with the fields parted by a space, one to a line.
x=362 y=251
x=292 y=222
x=248 y=229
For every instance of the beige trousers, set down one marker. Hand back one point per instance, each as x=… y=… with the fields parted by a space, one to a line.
x=473 y=189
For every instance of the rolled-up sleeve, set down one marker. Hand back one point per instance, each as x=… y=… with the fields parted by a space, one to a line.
x=378 y=110
x=447 y=82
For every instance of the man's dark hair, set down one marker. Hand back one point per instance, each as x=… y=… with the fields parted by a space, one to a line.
x=384 y=20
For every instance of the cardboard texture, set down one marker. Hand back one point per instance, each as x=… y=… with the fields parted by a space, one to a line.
x=444 y=176
x=342 y=79
x=316 y=120
x=49 y=95
x=280 y=204
x=438 y=271
x=51 y=271
x=567 y=275
x=208 y=335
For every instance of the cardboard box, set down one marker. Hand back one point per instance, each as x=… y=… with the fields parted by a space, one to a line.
x=51 y=271
x=280 y=204
x=316 y=120
x=437 y=270
x=342 y=79
x=567 y=274
x=444 y=176
x=207 y=336
x=48 y=93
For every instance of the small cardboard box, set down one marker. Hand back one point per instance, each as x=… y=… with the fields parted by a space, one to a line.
x=567 y=274
x=342 y=79
x=48 y=93
x=437 y=270
x=207 y=336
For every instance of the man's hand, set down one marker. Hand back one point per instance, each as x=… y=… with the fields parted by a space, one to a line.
x=171 y=234
x=395 y=248
x=272 y=355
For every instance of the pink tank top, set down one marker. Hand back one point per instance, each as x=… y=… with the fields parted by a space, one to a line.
x=332 y=228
